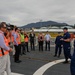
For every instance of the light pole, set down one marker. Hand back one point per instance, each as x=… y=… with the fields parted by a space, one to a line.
x=41 y=23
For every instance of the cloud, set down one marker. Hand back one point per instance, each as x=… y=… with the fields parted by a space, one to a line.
x=22 y=12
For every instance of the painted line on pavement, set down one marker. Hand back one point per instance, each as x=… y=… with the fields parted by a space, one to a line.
x=14 y=74
x=41 y=70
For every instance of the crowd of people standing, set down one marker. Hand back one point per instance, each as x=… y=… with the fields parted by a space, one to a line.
x=19 y=39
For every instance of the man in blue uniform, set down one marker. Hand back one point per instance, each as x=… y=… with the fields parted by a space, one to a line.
x=66 y=44
x=58 y=45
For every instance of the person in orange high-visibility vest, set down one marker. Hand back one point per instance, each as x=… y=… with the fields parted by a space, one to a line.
x=17 y=43
x=4 y=52
x=26 y=38
x=12 y=40
x=7 y=38
x=12 y=34
x=71 y=36
x=7 y=41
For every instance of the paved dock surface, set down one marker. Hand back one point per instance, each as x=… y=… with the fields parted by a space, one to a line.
x=34 y=60
x=40 y=63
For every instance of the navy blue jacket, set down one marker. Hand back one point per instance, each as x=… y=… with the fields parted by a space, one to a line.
x=58 y=41
x=66 y=36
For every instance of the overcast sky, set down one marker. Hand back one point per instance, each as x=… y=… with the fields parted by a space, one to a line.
x=22 y=12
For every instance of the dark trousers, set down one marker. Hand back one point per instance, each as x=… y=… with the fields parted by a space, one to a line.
x=32 y=45
x=58 y=50
x=67 y=50
x=47 y=45
x=26 y=46
x=23 y=48
x=17 y=52
x=40 y=45
x=72 y=65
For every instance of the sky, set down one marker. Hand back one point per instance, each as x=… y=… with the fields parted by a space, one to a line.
x=22 y=12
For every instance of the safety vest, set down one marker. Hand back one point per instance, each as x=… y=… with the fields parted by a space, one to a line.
x=2 y=51
x=26 y=39
x=22 y=37
x=18 y=39
x=12 y=37
x=7 y=41
x=71 y=35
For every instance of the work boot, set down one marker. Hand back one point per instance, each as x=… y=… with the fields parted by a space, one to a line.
x=65 y=62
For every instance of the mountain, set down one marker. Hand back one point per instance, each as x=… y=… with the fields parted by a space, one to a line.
x=44 y=24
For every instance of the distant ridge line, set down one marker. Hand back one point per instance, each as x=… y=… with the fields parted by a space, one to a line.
x=45 y=24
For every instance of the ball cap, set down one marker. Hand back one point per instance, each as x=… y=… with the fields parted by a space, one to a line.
x=65 y=28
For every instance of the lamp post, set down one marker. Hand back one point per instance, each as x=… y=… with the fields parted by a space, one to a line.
x=41 y=23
